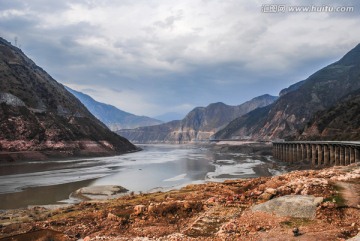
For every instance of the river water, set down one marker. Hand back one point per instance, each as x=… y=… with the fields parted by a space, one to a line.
x=157 y=167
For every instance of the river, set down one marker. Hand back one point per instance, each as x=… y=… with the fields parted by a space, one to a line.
x=157 y=167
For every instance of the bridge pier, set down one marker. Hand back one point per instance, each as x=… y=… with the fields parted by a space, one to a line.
x=308 y=152
x=352 y=155
x=342 y=156
x=314 y=155
x=320 y=155
x=337 y=155
x=327 y=153
x=332 y=155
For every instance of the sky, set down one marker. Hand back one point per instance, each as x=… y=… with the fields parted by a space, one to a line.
x=151 y=57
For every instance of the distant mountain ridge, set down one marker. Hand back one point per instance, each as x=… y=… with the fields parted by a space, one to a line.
x=111 y=116
x=298 y=104
x=37 y=114
x=198 y=125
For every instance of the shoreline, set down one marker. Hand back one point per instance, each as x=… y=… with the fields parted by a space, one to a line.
x=261 y=170
x=210 y=211
x=268 y=168
x=56 y=155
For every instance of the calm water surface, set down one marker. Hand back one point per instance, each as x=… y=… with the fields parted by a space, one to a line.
x=157 y=167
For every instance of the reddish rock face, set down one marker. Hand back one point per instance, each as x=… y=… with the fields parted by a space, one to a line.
x=39 y=114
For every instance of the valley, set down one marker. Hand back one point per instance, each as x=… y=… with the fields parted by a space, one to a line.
x=155 y=168
x=223 y=172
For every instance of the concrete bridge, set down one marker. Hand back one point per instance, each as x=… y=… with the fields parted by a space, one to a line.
x=326 y=153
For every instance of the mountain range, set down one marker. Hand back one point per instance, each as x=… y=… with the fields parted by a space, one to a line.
x=111 y=116
x=37 y=114
x=325 y=105
x=198 y=125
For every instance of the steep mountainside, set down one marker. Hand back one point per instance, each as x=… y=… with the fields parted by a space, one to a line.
x=341 y=122
x=296 y=106
x=199 y=124
x=39 y=114
x=111 y=116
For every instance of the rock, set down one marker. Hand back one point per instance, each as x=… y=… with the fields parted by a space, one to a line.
x=211 y=200
x=139 y=209
x=318 y=200
x=298 y=206
x=99 y=192
x=151 y=207
x=271 y=191
x=258 y=193
x=266 y=196
x=187 y=205
x=262 y=187
x=296 y=232
x=112 y=217
x=356 y=238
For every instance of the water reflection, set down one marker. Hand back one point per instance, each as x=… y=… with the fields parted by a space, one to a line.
x=157 y=166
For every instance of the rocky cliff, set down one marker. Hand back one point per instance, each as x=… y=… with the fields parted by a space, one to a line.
x=199 y=124
x=39 y=114
x=288 y=116
x=111 y=116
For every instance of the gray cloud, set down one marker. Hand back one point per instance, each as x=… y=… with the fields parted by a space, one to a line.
x=152 y=57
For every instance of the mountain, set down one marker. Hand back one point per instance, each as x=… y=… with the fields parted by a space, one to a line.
x=199 y=124
x=39 y=114
x=111 y=116
x=288 y=116
x=340 y=122
x=291 y=88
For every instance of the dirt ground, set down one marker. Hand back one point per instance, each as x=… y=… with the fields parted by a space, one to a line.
x=211 y=211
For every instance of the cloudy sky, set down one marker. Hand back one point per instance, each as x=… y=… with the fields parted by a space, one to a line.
x=151 y=57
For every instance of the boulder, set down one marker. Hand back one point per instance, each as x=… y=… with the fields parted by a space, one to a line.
x=356 y=238
x=271 y=191
x=266 y=196
x=139 y=209
x=298 y=206
x=99 y=192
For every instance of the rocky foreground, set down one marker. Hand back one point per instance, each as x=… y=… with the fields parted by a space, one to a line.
x=300 y=205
